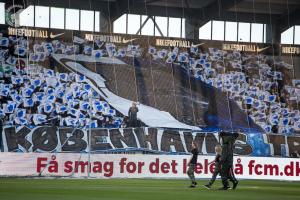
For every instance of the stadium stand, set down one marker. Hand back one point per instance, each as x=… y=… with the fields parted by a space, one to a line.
x=256 y=87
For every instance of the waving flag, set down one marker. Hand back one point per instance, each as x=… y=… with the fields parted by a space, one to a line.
x=21 y=113
x=16 y=97
x=172 y=56
x=3 y=54
x=69 y=50
x=152 y=50
x=27 y=92
x=79 y=115
x=17 y=80
x=58 y=45
x=34 y=57
x=92 y=124
x=236 y=54
x=105 y=104
x=249 y=100
x=4 y=42
x=267 y=128
x=256 y=104
x=261 y=96
x=133 y=48
x=28 y=102
x=285 y=121
x=14 y=39
x=87 y=87
x=97 y=53
x=71 y=121
x=36 y=82
x=84 y=105
x=111 y=49
x=41 y=57
x=4 y=92
x=194 y=50
x=72 y=111
x=1 y=113
x=162 y=53
x=80 y=78
x=37 y=48
x=296 y=83
x=95 y=94
x=20 y=51
x=62 y=76
x=169 y=60
x=48 y=48
x=210 y=71
x=51 y=81
x=296 y=126
x=236 y=88
x=98 y=107
x=277 y=75
x=271 y=98
x=11 y=60
x=49 y=72
x=209 y=81
x=274 y=119
x=87 y=50
x=39 y=96
x=285 y=112
x=78 y=40
x=60 y=93
x=39 y=119
x=49 y=91
x=21 y=121
x=68 y=97
x=9 y=107
x=183 y=58
x=122 y=52
x=207 y=65
x=48 y=107
x=50 y=99
x=99 y=43
x=203 y=56
x=192 y=62
x=60 y=108
x=201 y=61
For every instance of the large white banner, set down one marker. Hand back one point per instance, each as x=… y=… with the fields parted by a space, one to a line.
x=140 y=166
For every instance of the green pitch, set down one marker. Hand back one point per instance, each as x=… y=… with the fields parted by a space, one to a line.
x=134 y=189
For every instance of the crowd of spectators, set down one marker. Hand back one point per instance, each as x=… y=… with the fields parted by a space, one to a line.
x=34 y=95
x=259 y=84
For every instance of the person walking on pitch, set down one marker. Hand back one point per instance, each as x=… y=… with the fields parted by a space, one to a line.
x=217 y=163
x=192 y=164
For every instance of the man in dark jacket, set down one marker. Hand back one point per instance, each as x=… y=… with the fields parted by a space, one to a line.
x=132 y=115
x=228 y=140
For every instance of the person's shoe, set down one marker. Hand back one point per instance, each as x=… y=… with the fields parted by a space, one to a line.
x=224 y=188
x=195 y=183
x=192 y=186
x=207 y=186
x=234 y=185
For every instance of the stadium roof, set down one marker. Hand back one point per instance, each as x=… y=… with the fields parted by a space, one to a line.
x=284 y=13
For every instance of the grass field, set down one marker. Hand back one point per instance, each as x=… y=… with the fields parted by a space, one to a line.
x=137 y=189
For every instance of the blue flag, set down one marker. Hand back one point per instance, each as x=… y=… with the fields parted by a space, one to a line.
x=28 y=102
x=4 y=42
x=39 y=119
